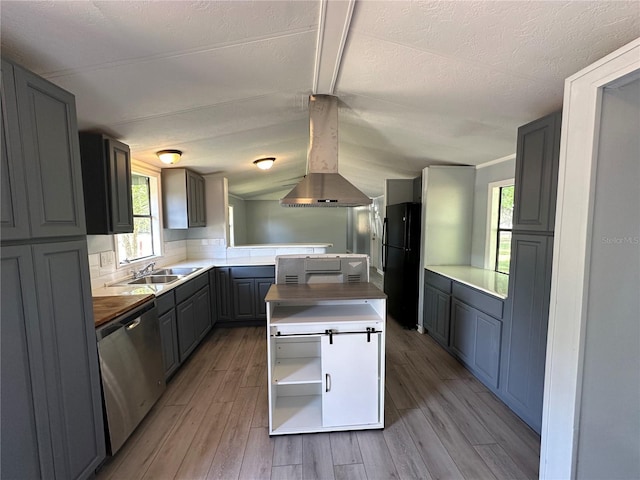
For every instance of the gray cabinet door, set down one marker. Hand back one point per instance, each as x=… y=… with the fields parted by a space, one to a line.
x=537 y=157
x=169 y=339
x=26 y=449
x=120 y=186
x=262 y=287
x=244 y=303
x=51 y=153
x=13 y=204
x=202 y=312
x=196 y=200
x=437 y=314
x=213 y=296
x=525 y=339
x=463 y=331
x=186 y=322
x=223 y=294
x=71 y=357
x=476 y=340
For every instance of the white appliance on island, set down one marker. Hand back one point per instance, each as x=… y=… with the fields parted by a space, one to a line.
x=326 y=346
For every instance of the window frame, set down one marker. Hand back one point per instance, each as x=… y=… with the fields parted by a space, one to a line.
x=155 y=204
x=499 y=229
x=493 y=217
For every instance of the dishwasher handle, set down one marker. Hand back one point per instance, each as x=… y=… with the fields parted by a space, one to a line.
x=133 y=324
x=128 y=322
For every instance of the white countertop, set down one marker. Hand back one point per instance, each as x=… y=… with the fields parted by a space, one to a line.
x=488 y=281
x=285 y=245
x=205 y=264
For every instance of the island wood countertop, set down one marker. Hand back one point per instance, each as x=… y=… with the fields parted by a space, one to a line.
x=323 y=291
x=106 y=309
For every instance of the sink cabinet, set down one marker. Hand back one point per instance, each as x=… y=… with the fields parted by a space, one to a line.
x=168 y=332
x=193 y=314
x=106 y=175
x=325 y=359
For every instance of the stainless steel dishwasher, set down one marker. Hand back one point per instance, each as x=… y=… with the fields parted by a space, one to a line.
x=132 y=370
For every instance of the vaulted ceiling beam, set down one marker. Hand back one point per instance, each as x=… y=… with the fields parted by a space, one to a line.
x=333 y=29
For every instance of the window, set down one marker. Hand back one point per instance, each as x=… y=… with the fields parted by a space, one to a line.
x=144 y=242
x=505 y=226
x=499 y=226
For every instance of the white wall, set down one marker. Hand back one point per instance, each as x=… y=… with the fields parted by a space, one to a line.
x=447 y=214
x=494 y=172
x=268 y=222
x=239 y=219
x=398 y=191
x=609 y=438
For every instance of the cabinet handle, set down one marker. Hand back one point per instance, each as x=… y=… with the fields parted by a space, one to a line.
x=327 y=382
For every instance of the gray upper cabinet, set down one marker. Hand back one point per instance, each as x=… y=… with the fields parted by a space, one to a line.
x=183 y=195
x=51 y=156
x=106 y=173
x=15 y=215
x=536 y=182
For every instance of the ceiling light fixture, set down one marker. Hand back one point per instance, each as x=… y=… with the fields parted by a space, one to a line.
x=264 y=163
x=169 y=156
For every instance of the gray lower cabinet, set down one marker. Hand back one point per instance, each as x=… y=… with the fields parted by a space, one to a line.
x=437 y=314
x=526 y=324
x=168 y=332
x=224 y=302
x=240 y=293
x=193 y=314
x=50 y=377
x=475 y=339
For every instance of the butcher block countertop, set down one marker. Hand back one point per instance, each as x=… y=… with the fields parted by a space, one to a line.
x=323 y=291
x=106 y=309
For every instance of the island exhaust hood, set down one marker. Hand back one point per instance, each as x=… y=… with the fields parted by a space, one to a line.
x=323 y=186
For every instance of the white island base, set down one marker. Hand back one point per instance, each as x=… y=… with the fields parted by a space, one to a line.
x=326 y=345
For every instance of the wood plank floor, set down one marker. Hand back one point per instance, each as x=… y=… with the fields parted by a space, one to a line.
x=439 y=423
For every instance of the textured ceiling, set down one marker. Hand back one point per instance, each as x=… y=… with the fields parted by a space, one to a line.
x=419 y=82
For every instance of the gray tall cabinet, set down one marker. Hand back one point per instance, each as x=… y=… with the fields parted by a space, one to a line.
x=51 y=411
x=525 y=326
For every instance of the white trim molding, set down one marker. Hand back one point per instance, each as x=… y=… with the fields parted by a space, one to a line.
x=572 y=250
x=496 y=161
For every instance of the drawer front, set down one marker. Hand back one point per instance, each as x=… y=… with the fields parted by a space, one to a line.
x=483 y=302
x=438 y=281
x=201 y=281
x=253 y=272
x=183 y=292
x=165 y=302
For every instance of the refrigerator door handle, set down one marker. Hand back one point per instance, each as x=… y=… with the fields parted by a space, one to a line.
x=407 y=237
x=384 y=243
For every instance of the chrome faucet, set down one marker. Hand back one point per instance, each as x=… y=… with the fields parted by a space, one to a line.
x=144 y=271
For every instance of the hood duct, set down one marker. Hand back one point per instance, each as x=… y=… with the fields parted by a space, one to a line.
x=323 y=186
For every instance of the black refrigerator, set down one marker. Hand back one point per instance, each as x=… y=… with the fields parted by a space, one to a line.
x=401 y=261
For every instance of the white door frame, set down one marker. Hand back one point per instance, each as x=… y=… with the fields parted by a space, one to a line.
x=572 y=250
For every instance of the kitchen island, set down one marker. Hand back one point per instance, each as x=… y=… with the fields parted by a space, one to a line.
x=326 y=345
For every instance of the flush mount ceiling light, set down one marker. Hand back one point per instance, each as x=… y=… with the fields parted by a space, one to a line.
x=264 y=163
x=169 y=156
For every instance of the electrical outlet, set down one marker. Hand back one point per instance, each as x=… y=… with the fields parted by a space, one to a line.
x=107 y=259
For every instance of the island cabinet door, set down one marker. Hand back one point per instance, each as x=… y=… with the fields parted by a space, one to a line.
x=350 y=371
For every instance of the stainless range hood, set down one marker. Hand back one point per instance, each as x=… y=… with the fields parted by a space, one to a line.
x=323 y=186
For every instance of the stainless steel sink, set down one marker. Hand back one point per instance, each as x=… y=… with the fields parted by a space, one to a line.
x=176 y=271
x=154 y=279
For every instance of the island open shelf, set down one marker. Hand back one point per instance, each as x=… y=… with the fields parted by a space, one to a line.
x=326 y=347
